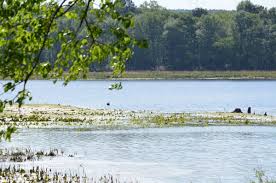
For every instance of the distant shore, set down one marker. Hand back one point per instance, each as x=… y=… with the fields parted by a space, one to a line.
x=183 y=75
x=59 y=116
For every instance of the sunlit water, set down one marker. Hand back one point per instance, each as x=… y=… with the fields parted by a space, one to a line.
x=167 y=96
x=170 y=155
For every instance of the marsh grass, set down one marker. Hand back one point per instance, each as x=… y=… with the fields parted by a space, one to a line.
x=22 y=155
x=44 y=175
x=261 y=178
x=41 y=175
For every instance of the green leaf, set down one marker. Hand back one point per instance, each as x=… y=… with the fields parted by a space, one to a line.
x=71 y=15
x=116 y=86
x=9 y=86
x=2 y=106
x=6 y=135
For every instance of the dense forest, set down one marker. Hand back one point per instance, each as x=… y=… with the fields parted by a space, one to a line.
x=244 y=39
x=200 y=39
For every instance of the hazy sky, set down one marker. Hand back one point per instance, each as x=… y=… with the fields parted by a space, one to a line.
x=209 y=4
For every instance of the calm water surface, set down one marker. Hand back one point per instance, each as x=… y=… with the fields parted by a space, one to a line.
x=167 y=96
x=170 y=155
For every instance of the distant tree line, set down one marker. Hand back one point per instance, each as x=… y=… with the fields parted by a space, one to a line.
x=206 y=40
x=200 y=39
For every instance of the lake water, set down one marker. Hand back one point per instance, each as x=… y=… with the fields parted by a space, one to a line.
x=169 y=155
x=166 y=96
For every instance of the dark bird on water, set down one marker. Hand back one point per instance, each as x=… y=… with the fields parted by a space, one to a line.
x=108 y=104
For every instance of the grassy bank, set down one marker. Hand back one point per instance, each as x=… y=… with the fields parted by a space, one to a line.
x=177 y=75
x=235 y=75
x=200 y=75
x=57 y=116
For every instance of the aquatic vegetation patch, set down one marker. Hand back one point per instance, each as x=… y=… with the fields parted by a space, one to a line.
x=58 y=116
x=174 y=119
x=160 y=120
x=201 y=119
x=32 y=116
x=22 y=155
x=261 y=178
x=38 y=174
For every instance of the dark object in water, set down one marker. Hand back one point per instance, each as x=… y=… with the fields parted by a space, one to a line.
x=249 y=110
x=265 y=114
x=237 y=110
x=108 y=104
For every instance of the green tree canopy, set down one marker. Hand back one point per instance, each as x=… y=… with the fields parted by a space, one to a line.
x=248 y=6
x=198 y=12
x=202 y=39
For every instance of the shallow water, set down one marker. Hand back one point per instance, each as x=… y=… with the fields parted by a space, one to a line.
x=169 y=155
x=166 y=96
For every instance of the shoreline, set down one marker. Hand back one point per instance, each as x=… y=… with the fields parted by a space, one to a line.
x=178 y=75
x=59 y=116
x=186 y=75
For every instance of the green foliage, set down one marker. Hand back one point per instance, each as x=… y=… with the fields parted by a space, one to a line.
x=30 y=29
x=248 y=6
x=6 y=134
x=199 y=12
x=177 y=40
x=206 y=40
x=76 y=33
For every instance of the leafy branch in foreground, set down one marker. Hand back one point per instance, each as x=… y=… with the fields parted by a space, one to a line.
x=6 y=134
x=29 y=29
x=86 y=32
